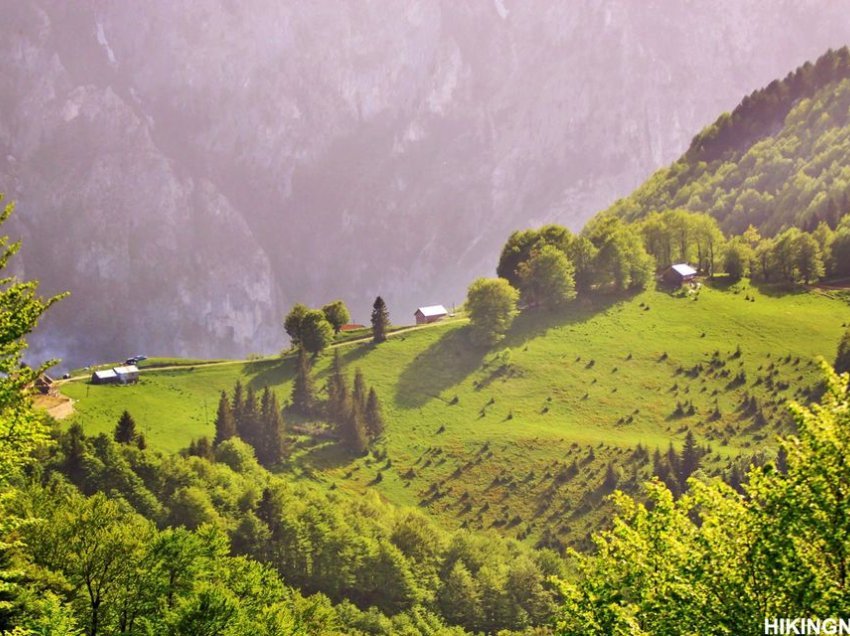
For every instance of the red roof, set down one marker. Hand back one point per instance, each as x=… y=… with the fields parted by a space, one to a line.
x=352 y=327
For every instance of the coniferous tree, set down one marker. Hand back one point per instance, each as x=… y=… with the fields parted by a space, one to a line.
x=237 y=404
x=125 y=430
x=248 y=425
x=374 y=417
x=354 y=430
x=275 y=433
x=690 y=460
x=225 y=423
x=74 y=446
x=303 y=388
x=359 y=394
x=380 y=320
x=338 y=398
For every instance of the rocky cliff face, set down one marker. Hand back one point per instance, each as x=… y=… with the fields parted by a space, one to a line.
x=190 y=169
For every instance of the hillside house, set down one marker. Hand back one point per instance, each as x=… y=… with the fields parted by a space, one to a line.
x=107 y=376
x=44 y=384
x=352 y=326
x=127 y=374
x=679 y=274
x=432 y=313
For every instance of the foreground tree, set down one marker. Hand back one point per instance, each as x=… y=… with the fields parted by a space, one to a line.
x=337 y=314
x=491 y=304
x=714 y=562
x=21 y=431
x=380 y=320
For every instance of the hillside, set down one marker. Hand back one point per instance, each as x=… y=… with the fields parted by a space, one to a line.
x=210 y=163
x=778 y=160
x=519 y=437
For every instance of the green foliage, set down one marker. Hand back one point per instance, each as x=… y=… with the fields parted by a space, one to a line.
x=336 y=313
x=712 y=560
x=293 y=322
x=380 y=320
x=316 y=333
x=547 y=278
x=125 y=430
x=522 y=244
x=491 y=305
x=303 y=388
x=773 y=163
x=738 y=258
x=622 y=262
x=225 y=423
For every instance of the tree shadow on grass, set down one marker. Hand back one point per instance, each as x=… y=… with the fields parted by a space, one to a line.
x=270 y=372
x=324 y=455
x=441 y=366
x=534 y=323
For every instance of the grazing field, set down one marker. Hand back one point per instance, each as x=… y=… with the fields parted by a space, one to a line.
x=520 y=437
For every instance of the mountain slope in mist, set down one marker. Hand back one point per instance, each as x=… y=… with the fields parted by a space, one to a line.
x=190 y=169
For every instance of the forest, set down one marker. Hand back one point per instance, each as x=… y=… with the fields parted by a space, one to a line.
x=776 y=161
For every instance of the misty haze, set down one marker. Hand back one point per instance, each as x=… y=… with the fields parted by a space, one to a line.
x=189 y=170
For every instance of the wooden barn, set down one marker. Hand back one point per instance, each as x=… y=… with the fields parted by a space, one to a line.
x=432 y=313
x=679 y=274
x=107 y=376
x=127 y=374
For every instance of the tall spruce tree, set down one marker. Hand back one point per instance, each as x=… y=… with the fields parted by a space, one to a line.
x=303 y=388
x=225 y=423
x=380 y=320
x=338 y=398
x=237 y=403
x=272 y=450
x=248 y=425
x=353 y=433
x=690 y=460
x=125 y=430
x=359 y=394
x=373 y=416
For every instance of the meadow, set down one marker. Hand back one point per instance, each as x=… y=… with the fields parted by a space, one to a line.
x=519 y=438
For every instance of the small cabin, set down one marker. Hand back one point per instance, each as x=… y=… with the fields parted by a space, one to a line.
x=352 y=326
x=432 y=313
x=679 y=274
x=107 y=376
x=127 y=374
x=44 y=384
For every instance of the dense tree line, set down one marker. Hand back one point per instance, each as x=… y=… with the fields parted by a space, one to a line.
x=765 y=109
x=374 y=567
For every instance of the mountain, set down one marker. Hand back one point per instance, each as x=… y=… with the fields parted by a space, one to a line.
x=189 y=170
x=778 y=160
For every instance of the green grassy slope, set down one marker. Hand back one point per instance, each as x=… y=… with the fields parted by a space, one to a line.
x=488 y=439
